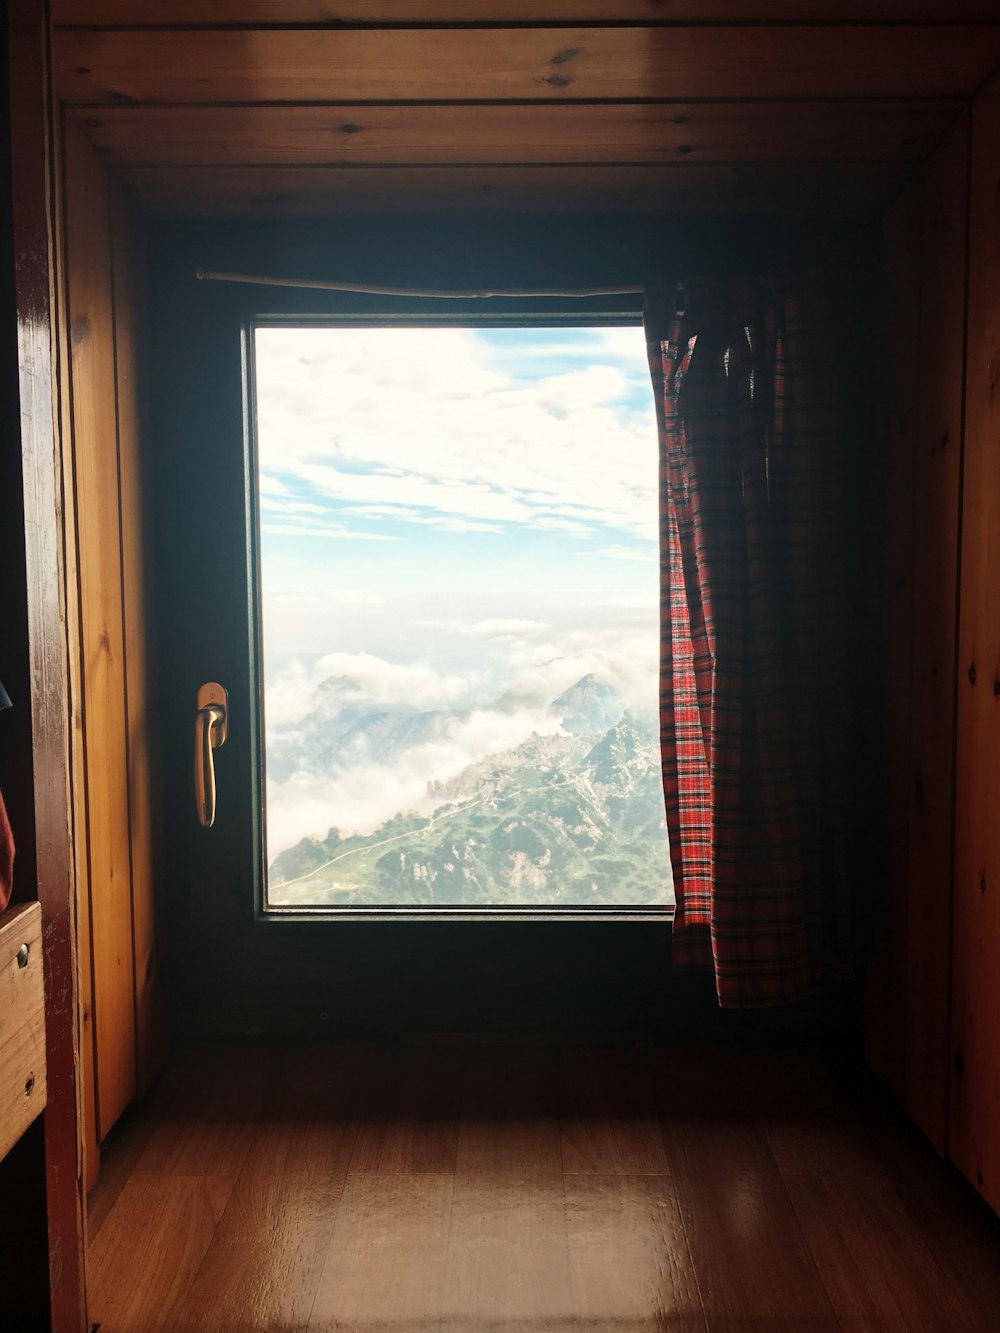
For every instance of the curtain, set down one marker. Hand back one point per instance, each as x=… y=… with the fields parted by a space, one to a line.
x=753 y=695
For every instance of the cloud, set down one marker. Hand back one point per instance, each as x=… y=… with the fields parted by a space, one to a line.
x=493 y=629
x=628 y=553
x=291 y=692
x=358 y=798
x=439 y=421
x=281 y=505
x=342 y=534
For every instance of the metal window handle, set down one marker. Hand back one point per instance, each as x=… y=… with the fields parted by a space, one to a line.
x=211 y=727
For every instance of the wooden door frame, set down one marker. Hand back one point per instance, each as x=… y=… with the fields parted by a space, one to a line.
x=32 y=190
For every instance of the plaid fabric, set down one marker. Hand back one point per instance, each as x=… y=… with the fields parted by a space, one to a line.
x=753 y=681
x=6 y=857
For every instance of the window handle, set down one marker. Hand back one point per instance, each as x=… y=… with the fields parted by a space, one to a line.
x=211 y=727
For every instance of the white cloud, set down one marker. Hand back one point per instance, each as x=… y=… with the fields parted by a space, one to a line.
x=493 y=629
x=360 y=797
x=291 y=692
x=342 y=534
x=280 y=505
x=434 y=420
x=358 y=800
x=628 y=553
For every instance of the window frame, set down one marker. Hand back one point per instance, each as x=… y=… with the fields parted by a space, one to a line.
x=583 y=315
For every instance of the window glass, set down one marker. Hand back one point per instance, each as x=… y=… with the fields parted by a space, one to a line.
x=459 y=610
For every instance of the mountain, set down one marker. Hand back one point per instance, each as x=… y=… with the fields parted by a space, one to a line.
x=564 y=819
x=590 y=706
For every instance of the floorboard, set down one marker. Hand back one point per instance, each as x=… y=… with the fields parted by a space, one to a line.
x=522 y=1189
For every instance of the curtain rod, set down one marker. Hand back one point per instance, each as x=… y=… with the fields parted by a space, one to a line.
x=370 y=289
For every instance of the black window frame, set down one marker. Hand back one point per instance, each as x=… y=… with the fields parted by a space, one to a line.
x=592 y=313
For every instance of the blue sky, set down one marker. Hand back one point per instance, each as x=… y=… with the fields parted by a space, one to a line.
x=447 y=513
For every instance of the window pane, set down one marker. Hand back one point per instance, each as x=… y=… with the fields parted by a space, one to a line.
x=459 y=606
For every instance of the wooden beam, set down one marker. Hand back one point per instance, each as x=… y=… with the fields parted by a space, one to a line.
x=218 y=12
x=763 y=189
x=568 y=133
x=324 y=65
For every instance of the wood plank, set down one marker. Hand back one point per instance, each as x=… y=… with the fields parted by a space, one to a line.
x=508 y=1257
x=742 y=1231
x=510 y=1125
x=809 y=190
x=607 y=1116
x=962 y=1234
x=210 y=1115
x=130 y=312
x=522 y=1251
x=885 y=1007
x=268 y=65
x=147 y=1254
x=90 y=1146
x=410 y=1115
x=974 y=1139
x=570 y=132
x=263 y=1268
x=34 y=322
x=385 y=1266
x=630 y=1266
x=210 y=12
x=935 y=611
x=95 y=456
x=877 y=1268
x=22 y=1024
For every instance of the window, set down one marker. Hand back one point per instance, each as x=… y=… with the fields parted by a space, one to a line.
x=459 y=617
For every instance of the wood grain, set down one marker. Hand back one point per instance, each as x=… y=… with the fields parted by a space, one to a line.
x=263 y=1267
x=974 y=1141
x=22 y=1024
x=90 y=1144
x=410 y=1121
x=37 y=386
x=879 y=1272
x=937 y=506
x=510 y=1125
x=741 y=1229
x=164 y=1225
x=290 y=1238
x=322 y=65
x=95 y=453
x=508 y=1260
x=567 y=133
x=386 y=1225
x=130 y=312
x=607 y=1118
x=630 y=1266
x=110 y=12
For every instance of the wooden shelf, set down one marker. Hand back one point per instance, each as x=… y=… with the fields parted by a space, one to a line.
x=22 y=1023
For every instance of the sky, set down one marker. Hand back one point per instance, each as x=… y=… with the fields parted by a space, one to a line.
x=448 y=514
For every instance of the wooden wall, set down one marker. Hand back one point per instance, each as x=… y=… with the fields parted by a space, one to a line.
x=924 y=337
x=933 y=1024
x=975 y=1084
x=111 y=732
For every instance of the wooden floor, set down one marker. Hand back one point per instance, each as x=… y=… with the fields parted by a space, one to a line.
x=512 y=1188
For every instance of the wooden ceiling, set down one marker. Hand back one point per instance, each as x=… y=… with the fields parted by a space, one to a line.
x=689 y=106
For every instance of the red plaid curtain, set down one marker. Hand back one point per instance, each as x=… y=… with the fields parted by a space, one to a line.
x=753 y=638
